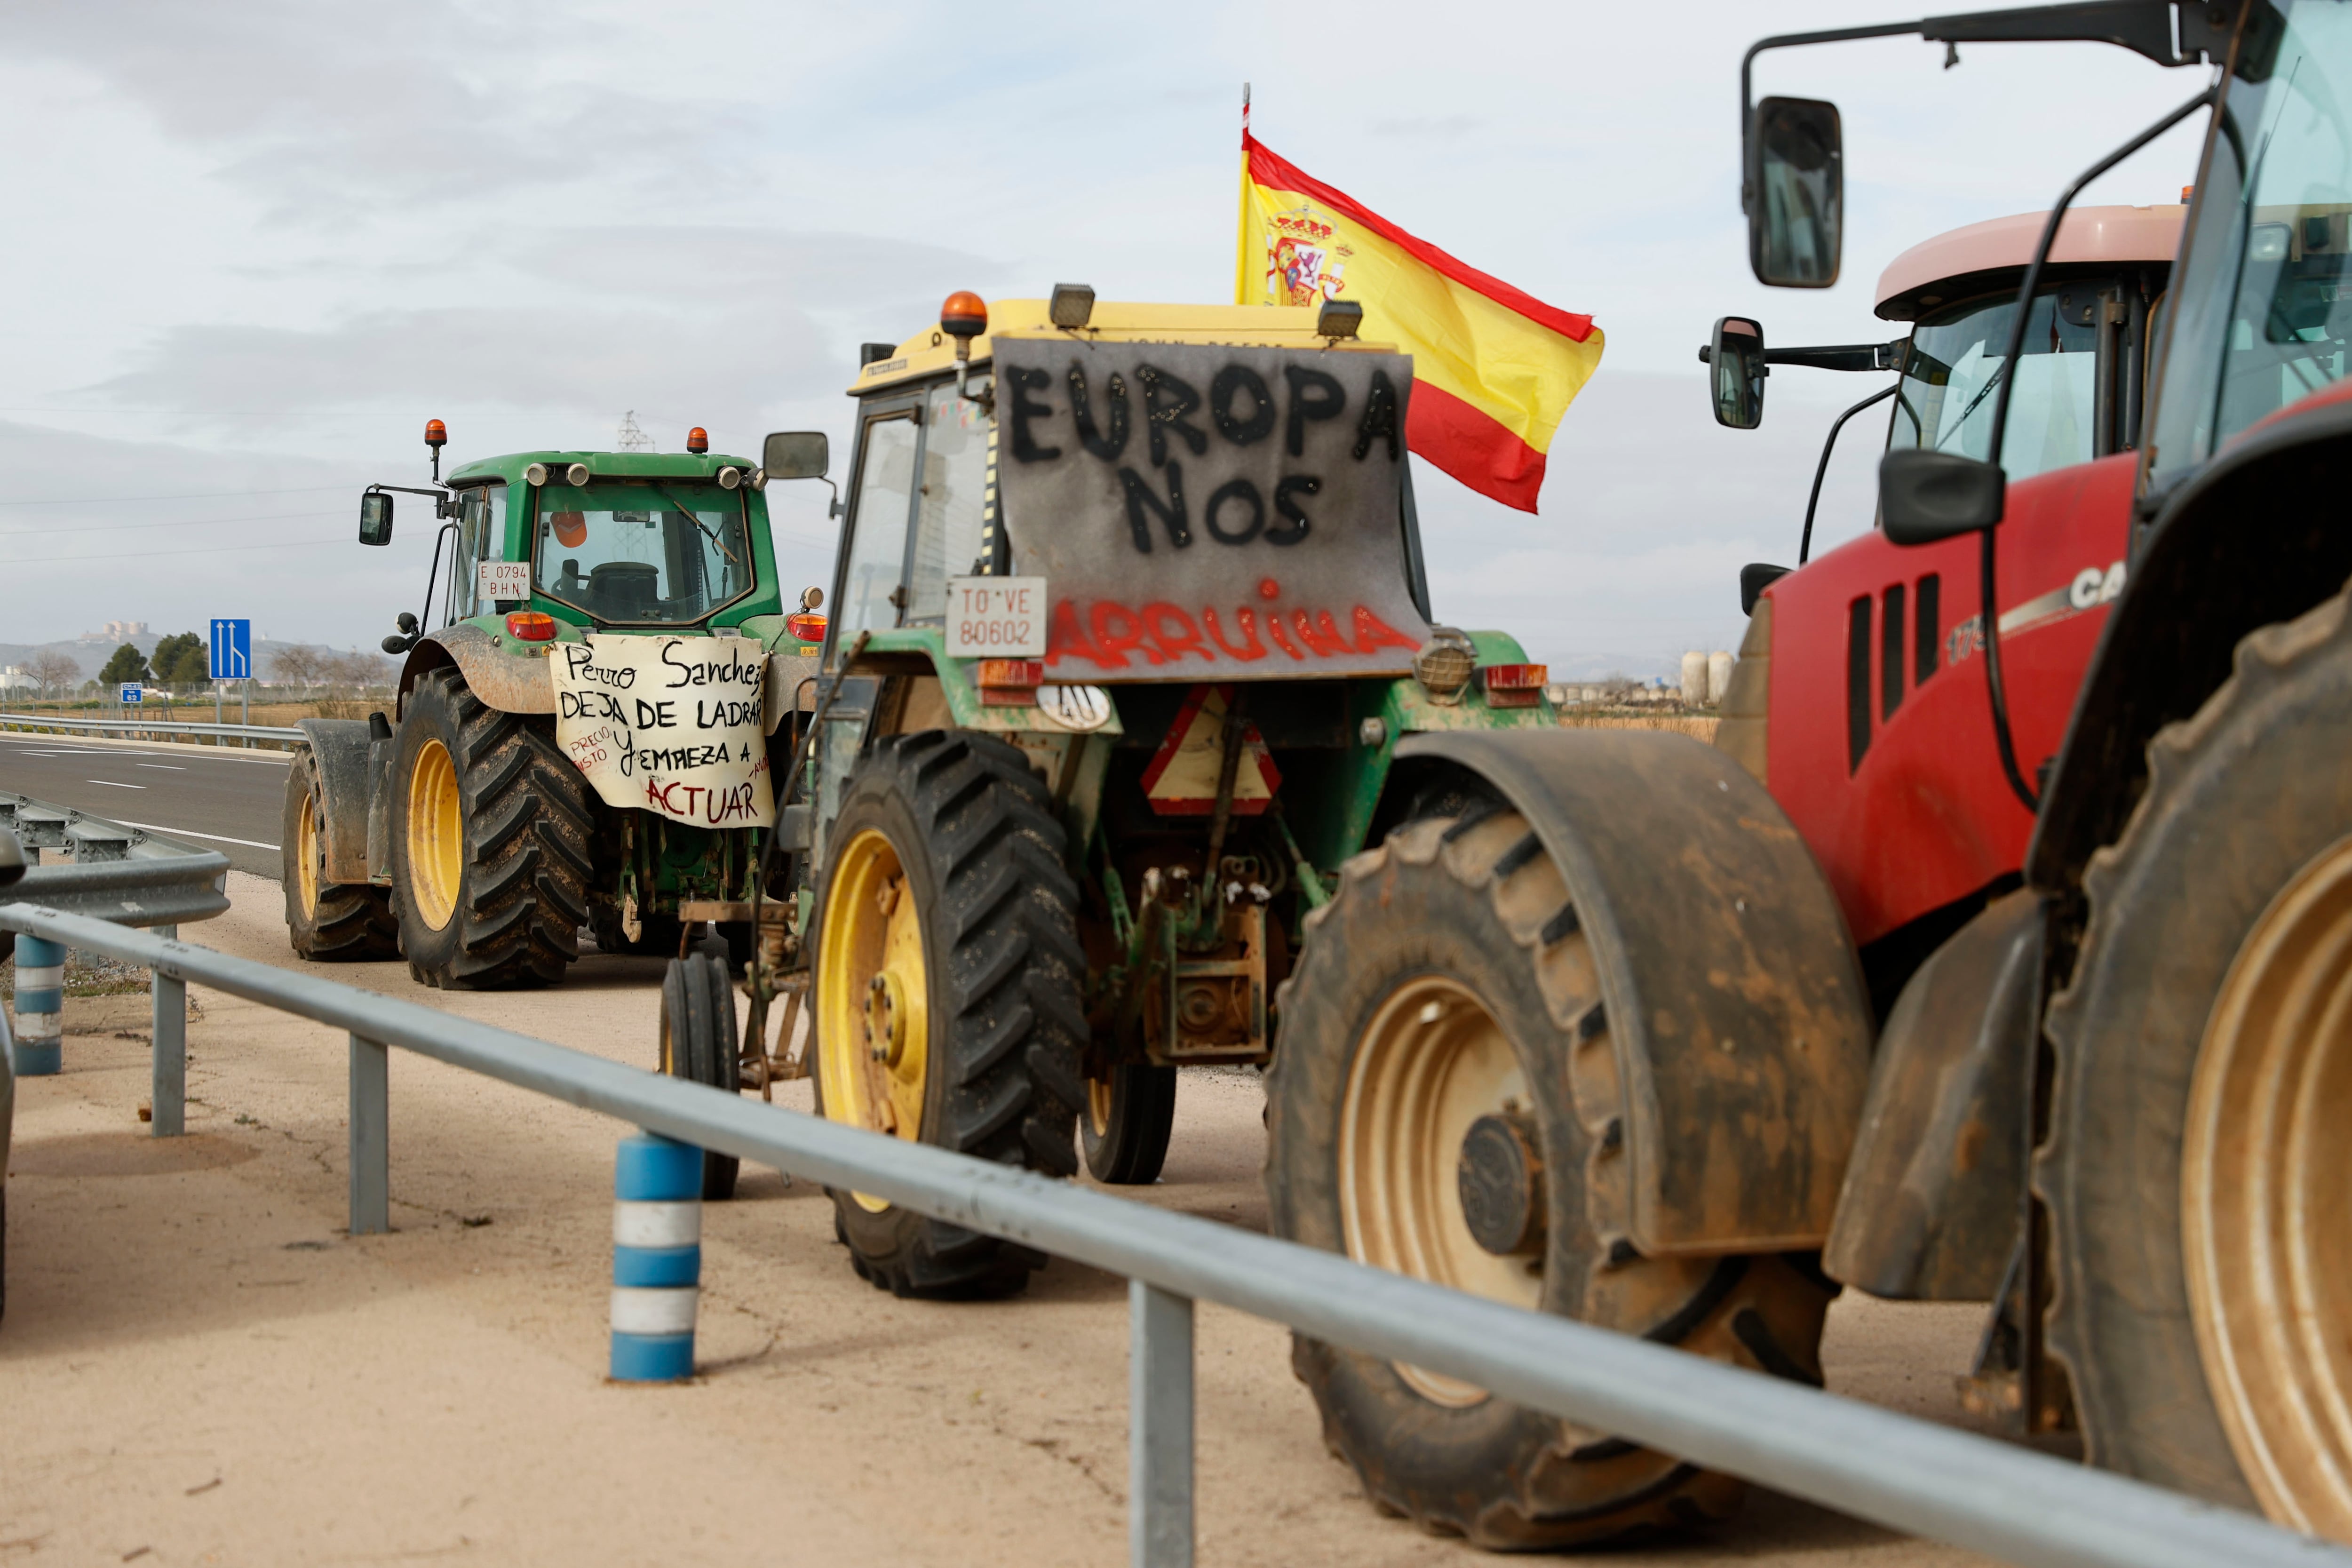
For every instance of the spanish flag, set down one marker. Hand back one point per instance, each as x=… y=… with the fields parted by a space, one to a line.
x=1494 y=369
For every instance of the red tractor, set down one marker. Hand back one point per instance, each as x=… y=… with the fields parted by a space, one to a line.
x=2002 y=958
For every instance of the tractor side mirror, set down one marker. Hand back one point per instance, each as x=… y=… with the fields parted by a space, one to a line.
x=796 y=455
x=1925 y=495
x=375 y=518
x=1735 y=357
x=12 y=860
x=1795 y=193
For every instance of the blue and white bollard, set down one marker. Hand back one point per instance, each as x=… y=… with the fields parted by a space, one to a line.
x=657 y=1259
x=40 y=1007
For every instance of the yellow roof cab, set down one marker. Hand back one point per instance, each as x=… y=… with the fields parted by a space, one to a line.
x=932 y=351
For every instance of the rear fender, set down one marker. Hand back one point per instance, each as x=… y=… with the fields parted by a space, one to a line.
x=339 y=748
x=501 y=679
x=1936 y=1186
x=1733 y=998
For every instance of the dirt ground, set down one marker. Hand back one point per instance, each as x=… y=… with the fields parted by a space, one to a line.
x=198 y=1366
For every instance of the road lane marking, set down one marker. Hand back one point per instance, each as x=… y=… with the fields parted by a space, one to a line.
x=111 y=784
x=167 y=767
x=192 y=833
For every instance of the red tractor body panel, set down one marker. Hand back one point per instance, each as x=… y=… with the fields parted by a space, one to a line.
x=1905 y=807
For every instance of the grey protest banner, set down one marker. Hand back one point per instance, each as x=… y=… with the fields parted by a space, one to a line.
x=1204 y=511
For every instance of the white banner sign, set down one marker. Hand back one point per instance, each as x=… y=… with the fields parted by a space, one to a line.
x=996 y=617
x=503 y=580
x=668 y=724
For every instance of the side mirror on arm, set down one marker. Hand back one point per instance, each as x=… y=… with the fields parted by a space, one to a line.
x=1735 y=358
x=1795 y=193
x=1925 y=496
x=375 y=518
x=796 y=455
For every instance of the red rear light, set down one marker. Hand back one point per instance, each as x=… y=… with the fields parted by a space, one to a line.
x=1009 y=682
x=531 y=626
x=807 y=627
x=1514 y=685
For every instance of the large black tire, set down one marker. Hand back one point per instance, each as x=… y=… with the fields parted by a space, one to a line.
x=1464 y=908
x=326 y=922
x=510 y=888
x=699 y=1044
x=2244 y=803
x=1124 y=1130
x=977 y=848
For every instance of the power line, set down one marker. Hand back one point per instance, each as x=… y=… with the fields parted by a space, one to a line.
x=178 y=522
x=184 y=495
x=151 y=555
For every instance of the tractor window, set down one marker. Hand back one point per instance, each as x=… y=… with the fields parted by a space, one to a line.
x=481 y=536
x=878 y=539
x=954 y=493
x=659 y=551
x=2262 y=297
x=1952 y=376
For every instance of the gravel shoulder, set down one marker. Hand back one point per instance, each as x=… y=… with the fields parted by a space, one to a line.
x=197 y=1366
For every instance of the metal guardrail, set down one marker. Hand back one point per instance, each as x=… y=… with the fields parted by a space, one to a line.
x=1895 y=1470
x=151 y=727
x=130 y=876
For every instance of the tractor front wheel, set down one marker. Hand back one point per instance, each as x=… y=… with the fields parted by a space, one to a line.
x=1428 y=1114
x=327 y=921
x=948 y=974
x=1128 y=1117
x=491 y=825
x=699 y=1044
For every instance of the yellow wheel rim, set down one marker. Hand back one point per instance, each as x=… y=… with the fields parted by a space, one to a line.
x=1432 y=1061
x=308 y=855
x=1098 y=1105
x=2266 y=1173
x=436 y=835
x=873 y=995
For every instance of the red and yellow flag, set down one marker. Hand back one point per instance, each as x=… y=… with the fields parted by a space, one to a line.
x=1494 y=369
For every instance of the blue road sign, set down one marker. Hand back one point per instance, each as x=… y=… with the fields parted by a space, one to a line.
x=232 y=650
x=132 y=693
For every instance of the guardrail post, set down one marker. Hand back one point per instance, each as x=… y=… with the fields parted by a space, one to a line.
x=1159 y=1427
x=371 y=1123
x=657 y=1259
x=168 y=1071
x=40 y=1007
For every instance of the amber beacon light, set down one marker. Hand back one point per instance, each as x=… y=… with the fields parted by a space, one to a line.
x=436 y=435
x=698 y=440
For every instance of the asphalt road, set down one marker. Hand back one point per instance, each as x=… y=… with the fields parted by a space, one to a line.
x=228 y=799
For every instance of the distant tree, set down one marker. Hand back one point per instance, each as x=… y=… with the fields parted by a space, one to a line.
x=358 y=672
x=126 y=663
x=182 y=659
x=53 y=673
x=300 y=664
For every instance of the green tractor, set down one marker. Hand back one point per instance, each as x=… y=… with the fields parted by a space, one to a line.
x=1129 y=620
x=583 y=741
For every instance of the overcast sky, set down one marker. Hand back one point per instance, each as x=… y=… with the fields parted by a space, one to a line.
x=253 y=247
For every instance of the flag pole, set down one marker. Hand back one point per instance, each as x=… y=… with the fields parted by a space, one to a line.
x=1241 y=232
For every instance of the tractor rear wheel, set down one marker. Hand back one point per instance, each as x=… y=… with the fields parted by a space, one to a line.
x=490 y=829
x=327 y=921
x=947 y=991
x=1128 y=1121
x=699 y=1044
x=1429 y=1114
x=2196 y=1167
